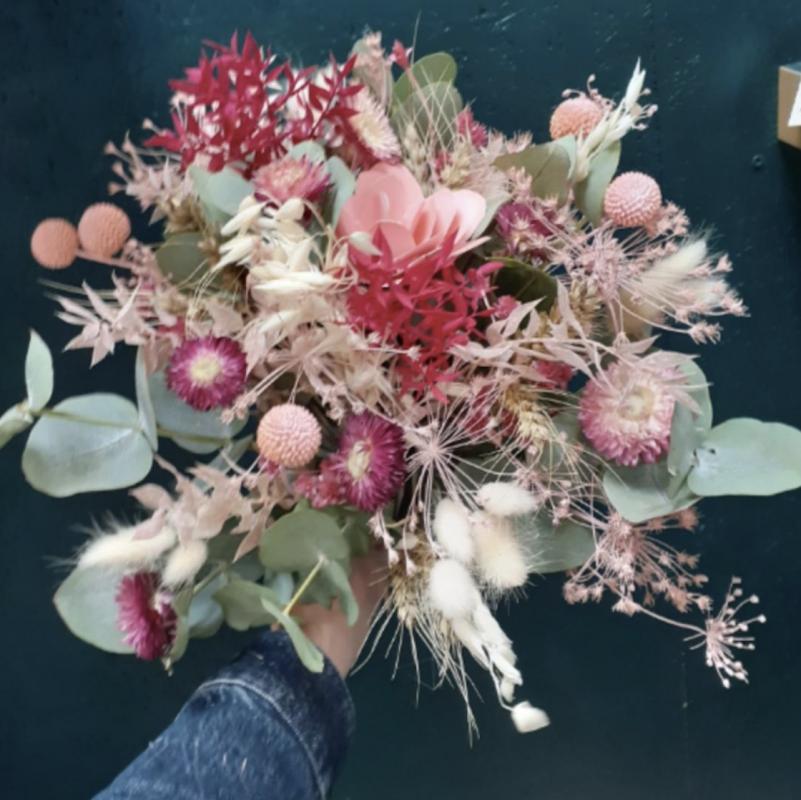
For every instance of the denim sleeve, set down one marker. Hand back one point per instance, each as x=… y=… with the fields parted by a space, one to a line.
x=263 y=727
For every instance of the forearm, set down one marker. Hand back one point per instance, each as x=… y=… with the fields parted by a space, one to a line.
x=264 y=726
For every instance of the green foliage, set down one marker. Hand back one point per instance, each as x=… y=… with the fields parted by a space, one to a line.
x=646 y=491
x=332 y=581
x=547 y=164
x=747 y=457
x=180 y=258
x=343 y=185
x=555 y=548
x=220 y=193
x=296 y=541
x=241 y=603
x=432 y=111
x=196 y=431
x=147 y=414
x=689 y=428
x=590 y=192
x=525 y=283
x=308 y=653
x=431 y=69
x=86 y=602
x=314 y=151
x=38 y=373
x=91 y=443
x=15 y=420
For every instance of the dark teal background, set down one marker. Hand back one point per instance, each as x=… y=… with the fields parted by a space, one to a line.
x=635 y=715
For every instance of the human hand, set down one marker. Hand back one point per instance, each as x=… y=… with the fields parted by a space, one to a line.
x=328 y=628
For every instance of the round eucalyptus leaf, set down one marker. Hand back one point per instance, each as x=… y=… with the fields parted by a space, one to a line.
x=747 y=457
x=205 y=616
x=38 y=373
x=241 y=603
x=432 y=111
x=547 y=164
x=147 y=415
x=97 y=445
x=296 y=541
x=196 y=431
x=647 y=491
x=343 y=185
x=689 y=428
x=307 y=652
x=86 y=602
x=180 y=258
x=554 y=548
x=220 y=193
x=433 y=68
x=314 y=151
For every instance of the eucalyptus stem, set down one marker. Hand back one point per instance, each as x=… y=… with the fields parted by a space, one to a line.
x=214 y=573
x=305 y=585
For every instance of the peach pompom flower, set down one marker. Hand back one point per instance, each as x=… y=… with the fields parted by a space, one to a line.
x=627 y=409
x=54 y=243
x=289 y=435
x=633 y=200
x=388 y=203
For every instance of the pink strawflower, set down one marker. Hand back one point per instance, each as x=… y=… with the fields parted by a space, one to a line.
x=207 y=373
x=366 y=471
x=389 y=204
x=289 y=435
x=373 y=138
x=290 y=177
x=576 y=116
x=633 y=200
x=528 y=229
x=146 y=615
x=473 y=131
x=626 y=411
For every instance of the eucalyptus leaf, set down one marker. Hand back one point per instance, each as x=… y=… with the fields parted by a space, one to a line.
x=242 y=606
x=283 y=586
x=338 y=579
x=314 y=151
x=38 y=373
x=747 y=457
x=343 y=186
x=646 y=491
x=432 y=111
x=689 y=428
x=554 y=548
x=433 y=68
x=205 y=616
x=525 y=283
x=296 y=541
x=15 y=420
x=180 y=258
x=97 y=444
x=86 y=602
x=307 y=652
x=196 y=431
x=547 y=164
x=147 y=415
x=220 y=193
x=590 y=192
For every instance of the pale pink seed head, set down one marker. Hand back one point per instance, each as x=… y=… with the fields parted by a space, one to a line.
x=576 y=116
x=289 y=435
x=633 y=200
x=103 y=229
x=54 y=243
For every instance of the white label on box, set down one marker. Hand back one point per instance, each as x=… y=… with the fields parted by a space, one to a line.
x=795 y=114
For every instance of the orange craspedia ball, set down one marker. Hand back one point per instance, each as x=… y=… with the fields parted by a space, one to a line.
x=103 y=230
x=289 y=435
x=574 y=116
x=54 y=243
x=632 y=200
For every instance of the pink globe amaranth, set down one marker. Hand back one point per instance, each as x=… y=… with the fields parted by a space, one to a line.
x=54 y=243
x=626 y=413
x=289 y=435
x=389 y=202
x=145 y=615
x=633 y=200
x=208 y=372
x=576 y=116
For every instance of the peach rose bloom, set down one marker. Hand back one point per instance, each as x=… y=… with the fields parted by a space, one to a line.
x=389 y=199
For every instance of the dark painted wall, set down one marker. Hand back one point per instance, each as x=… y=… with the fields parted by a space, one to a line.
x=634 y=714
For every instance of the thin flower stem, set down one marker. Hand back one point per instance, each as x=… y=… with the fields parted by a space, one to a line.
x=216 y=572
x=101 y=423
x=305 y=585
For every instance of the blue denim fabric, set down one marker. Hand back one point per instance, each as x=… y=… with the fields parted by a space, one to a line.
x=265 y=727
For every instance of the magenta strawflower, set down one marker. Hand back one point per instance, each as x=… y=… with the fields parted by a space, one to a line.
x=366 y=471
x=207 y=373
x=146 y=615
x=626 y=411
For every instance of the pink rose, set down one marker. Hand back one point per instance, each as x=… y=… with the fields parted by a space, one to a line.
x=389 y=200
